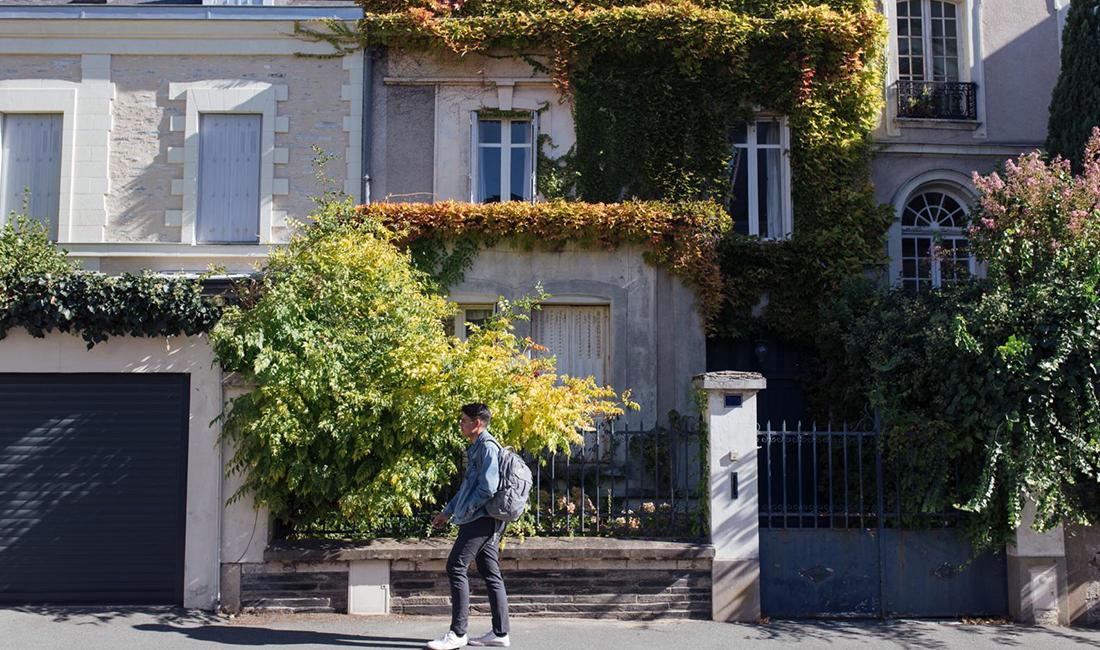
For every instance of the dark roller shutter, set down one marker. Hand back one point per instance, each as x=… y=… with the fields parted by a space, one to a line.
x=92 y=488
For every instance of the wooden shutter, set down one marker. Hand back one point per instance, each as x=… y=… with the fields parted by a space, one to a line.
x=31 y=160
x=577 y=336
x=229 y=178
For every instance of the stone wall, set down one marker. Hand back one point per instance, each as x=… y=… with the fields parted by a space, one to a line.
x=650 y=589
x=141 y=174
x=579 y=577
x=40 y=66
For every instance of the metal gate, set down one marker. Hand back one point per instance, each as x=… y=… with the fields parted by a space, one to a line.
x=832 y=544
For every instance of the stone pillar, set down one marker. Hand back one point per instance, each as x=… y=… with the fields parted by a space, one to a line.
x=730 y=417
x=1037 y=585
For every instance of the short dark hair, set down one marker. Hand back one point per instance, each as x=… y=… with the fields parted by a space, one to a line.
x=477 y=411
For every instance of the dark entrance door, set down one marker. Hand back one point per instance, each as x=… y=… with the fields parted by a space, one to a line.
x=834 y=542
x=92 y=488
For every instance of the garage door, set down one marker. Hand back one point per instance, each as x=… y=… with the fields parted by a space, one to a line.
x=92 y=488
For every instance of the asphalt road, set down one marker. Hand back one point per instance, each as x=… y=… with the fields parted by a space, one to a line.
x=91 y=629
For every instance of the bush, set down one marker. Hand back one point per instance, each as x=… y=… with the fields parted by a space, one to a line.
x=355 y=413
x=990 y=392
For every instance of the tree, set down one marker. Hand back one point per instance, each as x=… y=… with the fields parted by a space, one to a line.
x=358 y=387
x=1075 y=104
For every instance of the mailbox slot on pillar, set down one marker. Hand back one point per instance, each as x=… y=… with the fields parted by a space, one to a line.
x=733 y=401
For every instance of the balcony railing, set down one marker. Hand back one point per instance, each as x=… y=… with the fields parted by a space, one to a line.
x=937 y=100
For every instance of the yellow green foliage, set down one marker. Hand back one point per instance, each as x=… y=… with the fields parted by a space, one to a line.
x=358 y=387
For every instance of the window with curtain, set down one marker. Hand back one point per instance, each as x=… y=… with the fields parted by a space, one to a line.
x=759 y=191
x=578 y=337
x=928 y=40
x=505 y=161
x=934 y=248
x=30 y=167
x=229 y=178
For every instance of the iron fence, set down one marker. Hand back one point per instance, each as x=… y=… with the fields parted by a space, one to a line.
x=937 y=100
x=617 y=480
x=623 y=481
x=842 y=478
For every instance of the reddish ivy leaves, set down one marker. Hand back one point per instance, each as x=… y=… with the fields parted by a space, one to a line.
x=682 y=237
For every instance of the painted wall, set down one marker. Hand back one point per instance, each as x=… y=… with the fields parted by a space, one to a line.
x=141 y=172
x=1012 y=52
x=657 y=340
x=124 y=193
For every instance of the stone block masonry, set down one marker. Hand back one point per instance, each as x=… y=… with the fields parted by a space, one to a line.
x=577 y=578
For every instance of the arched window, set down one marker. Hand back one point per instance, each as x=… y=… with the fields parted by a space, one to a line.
x=934 y=249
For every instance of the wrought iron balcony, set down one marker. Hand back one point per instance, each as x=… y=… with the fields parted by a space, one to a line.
x=937 y=100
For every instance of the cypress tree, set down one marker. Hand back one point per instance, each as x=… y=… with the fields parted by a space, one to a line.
x=1075 y=104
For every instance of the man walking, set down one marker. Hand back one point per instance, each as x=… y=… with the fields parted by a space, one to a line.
x=478 y=535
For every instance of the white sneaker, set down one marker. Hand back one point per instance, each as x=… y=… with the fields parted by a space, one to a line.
x=490 y=638
x=449 y=641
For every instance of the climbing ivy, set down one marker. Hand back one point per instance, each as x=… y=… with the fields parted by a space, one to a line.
x=42 y=291
x=681 y=237
x=654 y=88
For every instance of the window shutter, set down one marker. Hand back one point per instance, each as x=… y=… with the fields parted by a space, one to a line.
x=577 y=336
x=31 y=159
x=229 y=178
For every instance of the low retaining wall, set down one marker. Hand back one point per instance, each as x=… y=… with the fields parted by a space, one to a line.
x=579 y=577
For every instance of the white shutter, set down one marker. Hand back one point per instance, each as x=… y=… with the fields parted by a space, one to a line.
x=577 y=336
x=31 y=160
x=229 y=178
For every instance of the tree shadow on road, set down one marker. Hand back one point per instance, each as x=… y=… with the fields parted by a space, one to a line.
x=90 y=615
x=263 y=636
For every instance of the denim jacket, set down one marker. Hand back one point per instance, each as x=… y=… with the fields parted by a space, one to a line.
x=480 y=482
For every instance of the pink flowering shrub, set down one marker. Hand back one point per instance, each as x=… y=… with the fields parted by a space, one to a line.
x=1037 y=214
x=989 y=391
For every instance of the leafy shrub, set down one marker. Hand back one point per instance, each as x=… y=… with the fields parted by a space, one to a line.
x=990 y=391
x=355 y=412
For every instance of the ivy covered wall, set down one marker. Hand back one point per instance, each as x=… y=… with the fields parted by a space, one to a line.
x=655 y=88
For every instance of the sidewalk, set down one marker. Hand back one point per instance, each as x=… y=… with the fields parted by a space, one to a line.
x=90 y=629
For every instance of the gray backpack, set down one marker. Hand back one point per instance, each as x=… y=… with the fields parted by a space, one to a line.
x=510 y=500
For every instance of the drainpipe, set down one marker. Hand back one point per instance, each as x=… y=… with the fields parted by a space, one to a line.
x=368 y=113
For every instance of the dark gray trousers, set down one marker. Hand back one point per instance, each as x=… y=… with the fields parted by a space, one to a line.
x=478 y=540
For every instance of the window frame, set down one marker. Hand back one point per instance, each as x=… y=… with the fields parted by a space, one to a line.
x=936 y=234
x=54 y=225
x=459 y=321
x=259 y=180
x=752 y=148
x=505 y=157
x=928 y=55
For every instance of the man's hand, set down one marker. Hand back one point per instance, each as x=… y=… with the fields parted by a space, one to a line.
x=440 y=520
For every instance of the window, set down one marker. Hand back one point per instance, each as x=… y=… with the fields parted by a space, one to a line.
x=759 y=195
x=934 y=249
x=466 y=316
x=928 y=40
x=229 y=178
x=578 y=336
x=30 y=166
x=505 y=165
